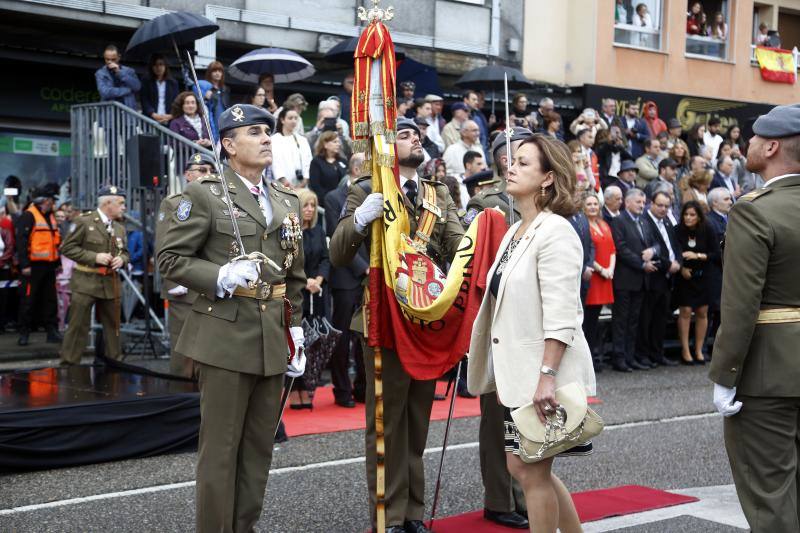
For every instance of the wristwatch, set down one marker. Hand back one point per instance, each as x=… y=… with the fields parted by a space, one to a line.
x=548 y=371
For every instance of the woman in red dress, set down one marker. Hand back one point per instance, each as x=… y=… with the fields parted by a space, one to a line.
x=601 y=290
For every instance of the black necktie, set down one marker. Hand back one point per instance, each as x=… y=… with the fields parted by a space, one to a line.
x=411 y=192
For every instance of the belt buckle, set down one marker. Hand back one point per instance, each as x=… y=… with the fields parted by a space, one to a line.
x=264 y=291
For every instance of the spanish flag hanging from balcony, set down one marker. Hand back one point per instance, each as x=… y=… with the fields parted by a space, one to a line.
x=776 y=65
x=425 y=316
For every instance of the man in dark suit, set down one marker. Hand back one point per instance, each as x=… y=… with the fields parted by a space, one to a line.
x=634 y=260
x=724 y=177
x=720 y=200
x=347 y=290
x=658 y=284
x=581 y=226
x=635 y=129
x=612 y=201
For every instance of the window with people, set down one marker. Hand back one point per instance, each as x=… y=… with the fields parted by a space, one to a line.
x=638 y=23
x=707 y=28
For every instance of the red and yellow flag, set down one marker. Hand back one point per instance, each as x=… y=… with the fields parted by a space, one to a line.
x=776 y=65
x=425 y=316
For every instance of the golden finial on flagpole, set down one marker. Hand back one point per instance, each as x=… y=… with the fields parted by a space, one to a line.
x=375 y=13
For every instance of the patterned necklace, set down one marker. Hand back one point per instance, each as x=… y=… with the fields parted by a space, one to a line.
x=507 y=255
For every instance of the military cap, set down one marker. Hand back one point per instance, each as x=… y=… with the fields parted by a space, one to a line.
x=110 y=190
x=519 y=134
x=199 y=159
x=674 y=123
x=48 y=190
x=667 y=162
x=628 y=165
x=484 y=177
x=407 y=124
x=245 y=115
x=781 y=121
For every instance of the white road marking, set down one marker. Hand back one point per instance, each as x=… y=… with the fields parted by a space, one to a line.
x=300 y=468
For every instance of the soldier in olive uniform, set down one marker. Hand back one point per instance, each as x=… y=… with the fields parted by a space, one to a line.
x=504 y=502
x=407 y=402
x=755 y=368
x=99 y=246
x=179 y=297
x=238 y=331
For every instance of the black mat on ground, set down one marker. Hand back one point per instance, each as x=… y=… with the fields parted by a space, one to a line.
x=68 y=416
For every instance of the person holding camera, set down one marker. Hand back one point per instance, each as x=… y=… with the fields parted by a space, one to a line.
x=611 y=151
x=291 y=153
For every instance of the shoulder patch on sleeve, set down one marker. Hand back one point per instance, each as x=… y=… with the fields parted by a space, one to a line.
x=184 y=210
x=470 y=215
x=752 y=195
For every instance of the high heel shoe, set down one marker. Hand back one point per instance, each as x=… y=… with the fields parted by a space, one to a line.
x=309 y=406
x=687 y=362
x=699 y=361
x=296 y=406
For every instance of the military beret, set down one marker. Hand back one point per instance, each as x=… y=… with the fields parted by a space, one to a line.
x=199 y=159
x=628 y=165
x=407 y=124
x=519 y=134
x=245 y=115
x=419 y=121
x=781 y=121
x=110 y=190
x=484 y=177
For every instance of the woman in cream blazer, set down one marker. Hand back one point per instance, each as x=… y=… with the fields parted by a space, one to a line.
x=527 y=339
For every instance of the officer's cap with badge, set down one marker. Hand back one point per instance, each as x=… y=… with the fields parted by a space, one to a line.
x=110 y=190
x=520 y=134
x=199 y=159
x=241 y=115
x=479 y=179
x=781 y=121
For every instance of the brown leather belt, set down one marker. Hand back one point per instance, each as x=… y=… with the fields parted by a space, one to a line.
x=779 y=315
x=101 y=271
x=263 y=291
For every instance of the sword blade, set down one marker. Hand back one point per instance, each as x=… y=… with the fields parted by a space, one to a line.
x=444 y=449
x=509 y=134
x=284 y=400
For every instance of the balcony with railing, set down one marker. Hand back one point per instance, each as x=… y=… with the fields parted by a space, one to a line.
x=637 y=36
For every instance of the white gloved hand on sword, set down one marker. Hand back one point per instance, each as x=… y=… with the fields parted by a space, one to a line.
x=238 y=273
x=297 y=364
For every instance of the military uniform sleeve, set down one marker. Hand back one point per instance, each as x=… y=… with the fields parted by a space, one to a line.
x=748 y=240
x=164 y=215
x=179 y=259
x=454 y=231
x=72 y=245
x=346 y=239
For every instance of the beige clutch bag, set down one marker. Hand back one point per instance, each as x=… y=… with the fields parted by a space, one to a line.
x=572 y=423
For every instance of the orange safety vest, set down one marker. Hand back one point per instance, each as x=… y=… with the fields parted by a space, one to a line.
x=44 y=241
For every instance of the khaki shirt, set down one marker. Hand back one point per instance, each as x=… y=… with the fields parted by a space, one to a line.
x=762 y=250
x=89 y=236
x=235 y=333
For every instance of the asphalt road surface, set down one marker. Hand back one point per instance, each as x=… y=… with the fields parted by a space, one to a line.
x=661 y=432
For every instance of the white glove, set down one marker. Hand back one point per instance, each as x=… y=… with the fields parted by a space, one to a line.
x=297 y=365
x=724 y=400
x=180 y=290
x=236 y=273
x=371 y=209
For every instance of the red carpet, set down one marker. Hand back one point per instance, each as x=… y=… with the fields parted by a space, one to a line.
x=592 y=505
x=327 y=417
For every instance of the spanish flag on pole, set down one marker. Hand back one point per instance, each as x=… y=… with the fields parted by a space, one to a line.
x=776 y=65
x=414 y=308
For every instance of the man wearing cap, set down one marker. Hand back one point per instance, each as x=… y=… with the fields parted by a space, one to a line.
x=667 y=173
x=451 y=133
x=407 y=402
x=433 y=118
x=244 y=325
x=38 y=239
x=755 y=367
x=626 y=177
x=98 y=245
x=675 y=131
x=179 y=297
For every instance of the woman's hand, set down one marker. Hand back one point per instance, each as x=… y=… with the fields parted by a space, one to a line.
x=312 y=285
x=544 y=400
x=686 y=273
x=689 y=255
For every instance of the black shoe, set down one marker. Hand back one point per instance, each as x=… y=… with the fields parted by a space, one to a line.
x=53 y=336
x=636 y=365
x=464 y=393
x=700 y=361
x=439 y=397
x=296 y=406
x=394 y=529
x=621 y=367
x=345 y=403
x=23 y=339
x=415 y=526
x=360 y=397
x=280 y=435
x=509 y=519
x=663 y=361
x=647 y=362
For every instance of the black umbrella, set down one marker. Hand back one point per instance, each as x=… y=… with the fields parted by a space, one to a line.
x=169 y=31
x=343 y=52
x=491 y=78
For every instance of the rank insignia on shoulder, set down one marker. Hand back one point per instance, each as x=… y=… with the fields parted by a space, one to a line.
x=214 y=189
x=752 y=195
x=184 y=209
x=470 y=215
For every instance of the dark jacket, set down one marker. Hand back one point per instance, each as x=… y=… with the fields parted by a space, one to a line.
x=636 y=135
x=182 y=127
x=624 y=186
x=661 y=280
x=718 y=224
x=719 y=181
x=149 y=96
x=630 y=243
x=605 y=152
x=121 y=87
x=581 y=226
x=316 y=263
x=352 y=275
x=607 y=216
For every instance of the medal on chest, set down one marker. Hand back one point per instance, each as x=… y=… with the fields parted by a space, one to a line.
x=291 y=235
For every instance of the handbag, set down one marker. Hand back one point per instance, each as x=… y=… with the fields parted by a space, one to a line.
x=572 y=423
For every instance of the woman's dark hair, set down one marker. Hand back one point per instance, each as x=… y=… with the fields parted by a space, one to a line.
x=719 y=150
x=177 y=105
x=550 y=118
x=324 y=138
x=693 y=132
x=251 y=94
x=152 y=63
x=281 y=118
x=517 y=97
x=701 y=215
x=555 y=157
x=215 y=65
